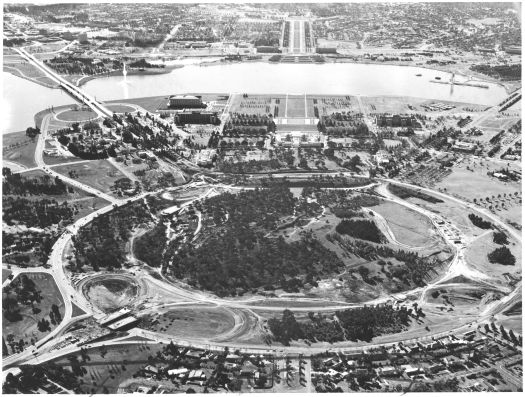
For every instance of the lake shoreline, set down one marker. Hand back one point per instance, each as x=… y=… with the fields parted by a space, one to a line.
x=509 y=86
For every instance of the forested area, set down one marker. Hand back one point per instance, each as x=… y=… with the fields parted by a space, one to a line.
x=32 y=246
x=80 y=65
x=100 y=244
x=503 y=72
x=235 y=255
x=361 y=323
x=35 y=213
x=150 y=246
x=16 y=184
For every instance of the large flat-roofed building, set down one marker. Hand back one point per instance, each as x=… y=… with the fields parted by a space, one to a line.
x=196 y=117
x=185 y=102
x=395 y=120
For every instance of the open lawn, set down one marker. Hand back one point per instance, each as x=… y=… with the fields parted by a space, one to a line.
x=121 y=108
x=19 y=148
x=408 y=226
x=194 y=322
x=99 y=174
x=151 y=104
x=26 y=328
x=55 y=160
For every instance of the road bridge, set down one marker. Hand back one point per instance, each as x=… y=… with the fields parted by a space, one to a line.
x=71 y=89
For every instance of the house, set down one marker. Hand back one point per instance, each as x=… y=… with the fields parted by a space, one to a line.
x=248 y=369
x=387 y=371
x=197 y=374
x=233 y=357
x=193 y=354
x=410 y=370
x=462 y=146
x=151 y=369
x=143 y=390
x=178 y=373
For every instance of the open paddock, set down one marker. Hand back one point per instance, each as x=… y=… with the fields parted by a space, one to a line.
x=99 y=174
x=408 y=226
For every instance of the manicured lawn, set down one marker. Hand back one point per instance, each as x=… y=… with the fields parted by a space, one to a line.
x=27 y=327
x=19 y=148
x=121 y=108
x=295 y=107
x=76 y=115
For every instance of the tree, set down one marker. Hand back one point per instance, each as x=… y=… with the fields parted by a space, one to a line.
x=503 y=332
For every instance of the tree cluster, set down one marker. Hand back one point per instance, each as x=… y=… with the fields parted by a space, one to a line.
x=363 y=323
x=503 y=256
x=363 y=229
x=406 y=192
x=479 y=221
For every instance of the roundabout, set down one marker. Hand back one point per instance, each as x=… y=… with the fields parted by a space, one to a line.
x=73 y=115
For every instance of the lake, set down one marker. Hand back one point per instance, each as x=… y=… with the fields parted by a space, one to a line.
x=22 y=98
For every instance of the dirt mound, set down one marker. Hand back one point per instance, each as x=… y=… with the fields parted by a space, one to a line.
x=112 y=293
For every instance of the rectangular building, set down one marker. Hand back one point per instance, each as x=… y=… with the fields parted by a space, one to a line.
x=185 y=102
